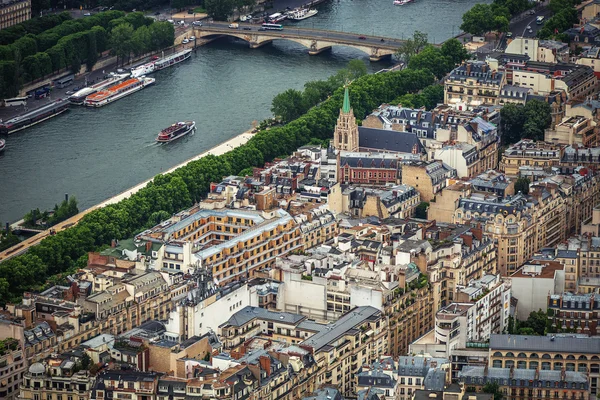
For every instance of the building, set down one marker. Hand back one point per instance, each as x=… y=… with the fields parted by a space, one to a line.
x=54 y=380
x=125 y=385
x=574 y=312
x=577 y=81
x=590 y=57
x=13 y=12
x=428 y=178
x=533 y=282
x=549 y=51
x=12 y=367
x=573 y=130
x=523 y=384
x=234 y=243
x=514 y=94
x=471 y=85
x=555 y=352
x=399 y=201
x=529 y=153
x=371 y=169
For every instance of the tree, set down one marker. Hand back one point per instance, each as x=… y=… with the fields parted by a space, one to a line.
x=75 y=64
x=493 y=388
x=522 y=185
x=455 y=51
x=537 y=321
x=120 y=40
x=432 y=59
x=412 y=46
x=478 y=19
x=86 y=361
x=529 y=121
x=421 y=210
x=219 y=10
x=289 y=105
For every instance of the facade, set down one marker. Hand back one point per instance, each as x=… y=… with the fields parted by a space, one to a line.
x=375 y=169
x=428 y=178
x=125 y=385
x=12 y=367
x=549 y=51
x=573 y=130
x=473 y=84
x=554 y=352
x=576 y=81
x=529 y=153
x=533 y=282
x=575 y=312
x=399 y=201
x=56 y=380
x=14 y=12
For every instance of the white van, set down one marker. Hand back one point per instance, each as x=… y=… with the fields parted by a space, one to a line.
x=234 y=26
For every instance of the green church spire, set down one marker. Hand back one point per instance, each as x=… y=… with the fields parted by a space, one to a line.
x=346 y=105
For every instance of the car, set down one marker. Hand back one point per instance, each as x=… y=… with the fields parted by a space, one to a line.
x=531 y=12
x=530 y=31
x=362 y=37
x=121 y=71
x=154 y=58
x=69 y=92
x=171 y=21
x=528 y=27
x=192 y=37
x=508 y=34
x=261 y=29
x=247 y=28
x=87 y=14
x=181 y=23
x=185 y=41
x=197 y=23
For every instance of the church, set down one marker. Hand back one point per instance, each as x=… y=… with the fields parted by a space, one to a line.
x=348 y=136
x=371 y=156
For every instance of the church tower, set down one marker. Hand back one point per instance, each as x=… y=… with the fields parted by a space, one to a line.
x=345 y=135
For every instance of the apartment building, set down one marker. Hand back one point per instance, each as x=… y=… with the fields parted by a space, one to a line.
x=471 y=85
x=549 y=51
x=359 y=337
x=234 y=243
x=555 y=352
x=398 y=201
x=427 y=177
x=125 y=385
x=13 y=12
x=529 y=153
x=521 y=384
x=317 y=224
x=56 y=379
x=573 y=130
x=12 y=367
x=576 y=81
x=575 y=312
x=534 y=281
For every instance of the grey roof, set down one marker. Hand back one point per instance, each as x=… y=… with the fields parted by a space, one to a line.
x=326 y=393
x=249 y=313
x=376 y=379
x=435 y=379
x=590 y=345
x=335 y=330
x=517 y=375
x=382 y=139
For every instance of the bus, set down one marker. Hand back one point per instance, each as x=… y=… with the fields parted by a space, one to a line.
x=64 y=81
x=15 y=101
x=539 y=20
x=272 y=27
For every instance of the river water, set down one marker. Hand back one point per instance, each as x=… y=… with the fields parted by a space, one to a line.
x=95 y=154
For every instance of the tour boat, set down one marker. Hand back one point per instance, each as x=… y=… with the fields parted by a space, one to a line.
x=176 y=131
x=2 y=145
x=115 y=92
x=33 y=117
x=300 y=14
x=276 y=18
x=79 y=96
x=161 y=63
x=402 y=2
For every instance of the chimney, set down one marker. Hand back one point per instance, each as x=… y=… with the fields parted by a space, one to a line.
x=148 y=246
x=113 y=243
x=415 y=149
x=468 y=69
x=265 y=364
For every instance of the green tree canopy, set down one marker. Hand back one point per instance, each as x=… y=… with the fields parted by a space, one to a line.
x=455 y=51
x=121 y=39
x=524 y=122
x=412 y=46
x=522 y=185
x=220 y=10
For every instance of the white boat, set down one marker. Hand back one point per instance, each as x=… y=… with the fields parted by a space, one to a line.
x=115 y=92
x=402 y=2
x=300 y=14
x=277 y=17
x=173 y=59
x=143 y=69
x=79 y=96
x=176 y=131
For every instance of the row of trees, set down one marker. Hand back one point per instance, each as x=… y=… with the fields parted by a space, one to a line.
x=74 y=42
x=220 y=10
x=33 y=26
x=484 y=18
x=168 y=194
x=65 y=210
x=293 y=103
x=524 y=122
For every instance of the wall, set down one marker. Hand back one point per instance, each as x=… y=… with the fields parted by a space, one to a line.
x=532 y=294
x=364 y=296
x=304 y=297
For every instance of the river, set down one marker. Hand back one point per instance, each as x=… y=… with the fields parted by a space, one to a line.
x=95 y=154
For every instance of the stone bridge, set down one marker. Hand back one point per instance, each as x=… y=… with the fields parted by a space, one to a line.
x=315 y=40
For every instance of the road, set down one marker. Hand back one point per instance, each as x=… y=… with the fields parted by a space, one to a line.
x=345 y=37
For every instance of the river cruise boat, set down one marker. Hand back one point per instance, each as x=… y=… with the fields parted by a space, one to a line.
x=161 y=63
x=2 y=145
x=115 y=92
x=79 y=96
x=176 y=131
x=300 y=14
x=402 y=2
x=277 y=17
x=33 y=117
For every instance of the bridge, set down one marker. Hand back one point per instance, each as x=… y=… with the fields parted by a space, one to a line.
x=315 y=40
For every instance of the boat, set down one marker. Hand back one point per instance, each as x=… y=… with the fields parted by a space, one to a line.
x=115 y=92
x=176 y=131
x=79 y=96
x=301 y=13
x=402 y=2
x=173 y=59
x=33 y=117
x=161 y=63
x=2 y=145
x=277 y=17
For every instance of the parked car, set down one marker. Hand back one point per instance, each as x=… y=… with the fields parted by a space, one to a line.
x=508 y=34
x=181 y=23
x=121 y=71
x=87 y=14
x=530 y=31
x=185 y=41
x=192 y=37
x=528 y=27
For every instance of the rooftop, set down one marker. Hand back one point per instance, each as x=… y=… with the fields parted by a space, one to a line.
x=553 y=343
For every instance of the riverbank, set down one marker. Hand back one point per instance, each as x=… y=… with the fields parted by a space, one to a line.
x=34 y=240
